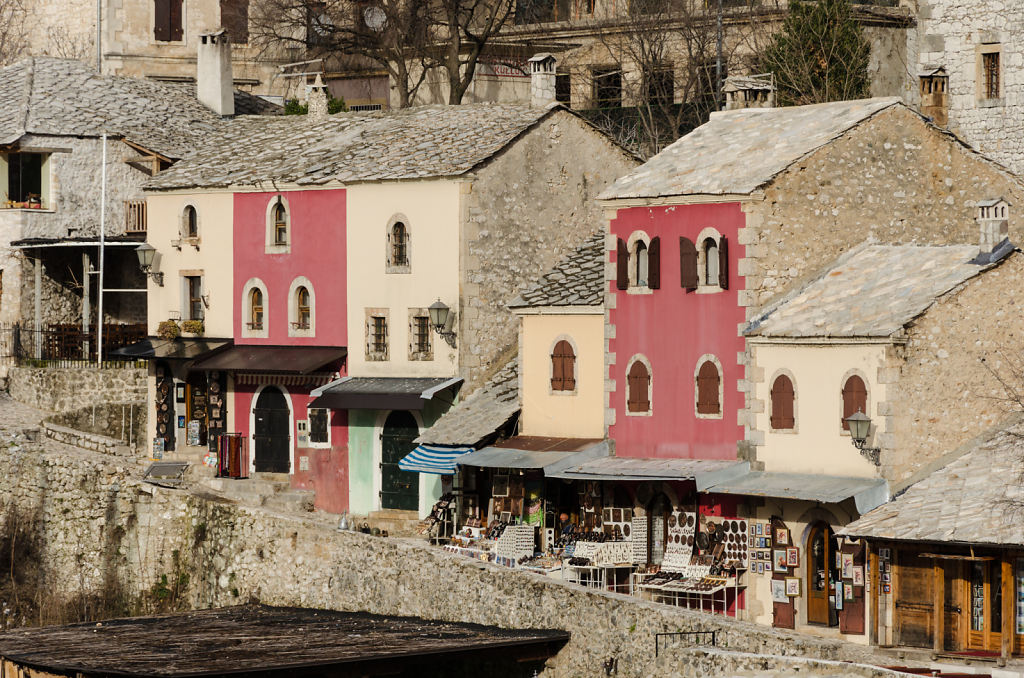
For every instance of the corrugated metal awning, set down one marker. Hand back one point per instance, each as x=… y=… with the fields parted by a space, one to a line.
x=154 y=348
x=868 y=493
x=436 y=459
x=273 y=359
x=704 y=471
x=550 y=461
x=381 y=393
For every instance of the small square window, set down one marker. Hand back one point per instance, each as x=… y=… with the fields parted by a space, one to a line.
x=376 y=334
x=27 y=184
x=319 y=429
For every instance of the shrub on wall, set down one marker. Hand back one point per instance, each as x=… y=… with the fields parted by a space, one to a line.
x=168 y=329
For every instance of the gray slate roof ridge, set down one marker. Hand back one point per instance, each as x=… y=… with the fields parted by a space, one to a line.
x=593 y=241
x=502 y=388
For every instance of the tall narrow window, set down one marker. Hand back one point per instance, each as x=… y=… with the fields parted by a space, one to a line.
x=280 y=218
x=855 y=398
x=421 y=334
x=990 y=68
x=190 y=222
x=782 y=397
x=319 y=428
x=302 y=309
x=638 y=388
x=194 y=297
x=708 y=389
x=710 y=261
x=256 y=309
x=640 y=263
x=563 y=367
x=167 y=23
x=607 y=91
x=399 y=250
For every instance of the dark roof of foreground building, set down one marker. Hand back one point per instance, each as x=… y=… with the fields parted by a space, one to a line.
x=411 y=143
x=481 y=414
x=577 y=280
x=976 y=499
x=737 y=152
x=65 y=97
x=249 y=640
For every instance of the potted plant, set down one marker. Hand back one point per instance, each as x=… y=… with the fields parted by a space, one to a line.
x=192 y=326
x=168 y=329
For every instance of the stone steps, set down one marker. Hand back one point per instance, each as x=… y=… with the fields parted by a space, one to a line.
x=268 y=490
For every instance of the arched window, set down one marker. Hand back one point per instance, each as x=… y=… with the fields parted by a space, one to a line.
x=782 y=396
x=256 y=309
x=302 y=309
x=563 y=367
x=190 y=223
x=638 y=386
x=399 y=249
x=279 y=217
x=640 y=263
x=855 y=398
x=710 y=261
x=708 y=388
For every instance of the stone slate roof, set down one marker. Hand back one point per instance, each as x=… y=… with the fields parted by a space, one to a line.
x=482 y=413
x=972 y=500
x=577 y=280
x=871 y=291
x=64 y=97
x=411 y=143
x=739 y=151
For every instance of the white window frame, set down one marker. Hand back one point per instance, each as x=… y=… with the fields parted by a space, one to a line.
x=634 y=287
x=293 y=308
x=271 y=245
x=248 y=332
x=703 y=287
x=708 y=357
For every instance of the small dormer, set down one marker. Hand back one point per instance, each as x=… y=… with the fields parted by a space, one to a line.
x=934 y=83
x=993 y=222
x=749 y=91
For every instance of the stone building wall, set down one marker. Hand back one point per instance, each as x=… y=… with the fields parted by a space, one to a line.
x=952 y=34
x=101 y=527
x=55 y=389
x=527 y=208
x=948 y=389
x=894 y=178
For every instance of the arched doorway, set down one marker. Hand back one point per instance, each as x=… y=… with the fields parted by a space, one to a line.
x=398 y=489
x=272 y=432
x=821 y=575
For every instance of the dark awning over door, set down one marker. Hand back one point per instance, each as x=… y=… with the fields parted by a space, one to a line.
x=273 y=359
x=381 y=393
x=155 y=348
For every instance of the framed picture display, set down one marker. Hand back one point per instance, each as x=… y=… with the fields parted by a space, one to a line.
x=839 y=596
x=792 y=557
x=779 y=591
x=179 y=393
x=883 y=554
x=757 y=529
x=792 y=586
x=858 y=575
x=848 y=592
x=780 y=560
x=885 y=577
x=505 y=517
x=886 y=588
x=781 y=536
x=500 y=486
x=847 y=568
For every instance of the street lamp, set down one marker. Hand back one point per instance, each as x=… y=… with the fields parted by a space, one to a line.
x=440 y=319
x=860 y=427
x=147 y=255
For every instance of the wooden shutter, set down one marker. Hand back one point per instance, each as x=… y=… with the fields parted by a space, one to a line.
x=654 y=264
x=638 y=385
x=562 y=359
x=707 y=389
x=162 y=20
x=782 y=403
x=687 y=264
x=175 y=20
x=855 y=398
x=622 y=264
x=723 y=263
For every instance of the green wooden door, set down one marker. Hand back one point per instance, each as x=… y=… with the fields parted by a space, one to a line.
x=399 y=489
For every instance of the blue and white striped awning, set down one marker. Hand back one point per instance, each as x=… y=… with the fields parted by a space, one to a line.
x=436 y=459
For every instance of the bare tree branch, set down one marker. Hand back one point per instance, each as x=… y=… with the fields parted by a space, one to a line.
x=13 y=31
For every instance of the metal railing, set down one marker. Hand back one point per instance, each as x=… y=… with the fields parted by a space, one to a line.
x=63 y=345
x=695 y=637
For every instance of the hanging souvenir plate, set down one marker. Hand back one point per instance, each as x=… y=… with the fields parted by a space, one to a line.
x=215 y=387
x=161 y=428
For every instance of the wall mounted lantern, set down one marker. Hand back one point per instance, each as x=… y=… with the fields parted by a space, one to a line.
x=860 y=429
x=147 y=255
x=442 y=319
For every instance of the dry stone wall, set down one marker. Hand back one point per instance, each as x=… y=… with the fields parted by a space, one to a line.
x=99 y=523
x=55 y=389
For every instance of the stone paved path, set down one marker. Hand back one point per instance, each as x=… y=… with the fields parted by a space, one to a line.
x=15 y=416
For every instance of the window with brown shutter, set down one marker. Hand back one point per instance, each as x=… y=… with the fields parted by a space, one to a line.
x=687 y=264
x=162 y=20
x=723 y=263
x=654 y=264
x=782 y=403
x=622 y=265
x=175 y=21
x=707 y=389
x=563 y=367
x=855 y=398
x=638 y=391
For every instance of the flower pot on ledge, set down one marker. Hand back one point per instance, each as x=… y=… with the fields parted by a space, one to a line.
x=192 y=327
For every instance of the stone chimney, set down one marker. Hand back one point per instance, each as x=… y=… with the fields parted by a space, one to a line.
x=542 y=79
x=317 y=99
x=935 y=95
x=749 y=91
x=993 y=223
x=215 y=86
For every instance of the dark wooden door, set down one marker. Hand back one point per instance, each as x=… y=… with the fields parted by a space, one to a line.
x=851 y=617
x=783 y=613
x=913 y=594
x=819 y=574
x=399 y=489
x=272 y=449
